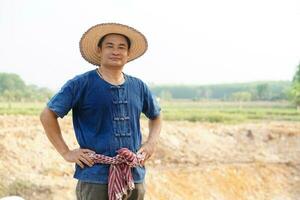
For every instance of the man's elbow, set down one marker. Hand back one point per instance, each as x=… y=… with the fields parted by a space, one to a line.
x=47 y=114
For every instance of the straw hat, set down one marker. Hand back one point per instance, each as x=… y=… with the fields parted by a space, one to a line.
x=89 y=41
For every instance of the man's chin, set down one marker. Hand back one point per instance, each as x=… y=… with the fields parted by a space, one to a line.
x=115 y=65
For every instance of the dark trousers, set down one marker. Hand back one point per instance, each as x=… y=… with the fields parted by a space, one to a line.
x=93 y=191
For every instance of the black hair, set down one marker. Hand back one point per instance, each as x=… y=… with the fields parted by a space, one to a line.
x=102 y=39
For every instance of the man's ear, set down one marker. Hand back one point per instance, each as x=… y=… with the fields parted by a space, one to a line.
x=98 y=50
x=128 y=54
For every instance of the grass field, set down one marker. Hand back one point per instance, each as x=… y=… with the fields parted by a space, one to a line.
x=21 y=108
x=205 y=111
x=229 y=112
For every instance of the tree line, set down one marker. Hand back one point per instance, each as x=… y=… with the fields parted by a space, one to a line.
x=14 y=89
x=254 y=91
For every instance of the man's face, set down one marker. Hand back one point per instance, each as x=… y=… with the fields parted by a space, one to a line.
x=114 y=51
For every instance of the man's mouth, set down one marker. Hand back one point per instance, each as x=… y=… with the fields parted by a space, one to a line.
x=115 y=58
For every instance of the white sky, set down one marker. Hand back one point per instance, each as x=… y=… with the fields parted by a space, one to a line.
x=190 y=42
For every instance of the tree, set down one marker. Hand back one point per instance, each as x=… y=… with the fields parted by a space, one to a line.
x=207 y=93
x=198 y=94
x=295 y=94
x=295 y=89
x=263 y=91
x=165 y=95
x=296 y=77
x=11 y=82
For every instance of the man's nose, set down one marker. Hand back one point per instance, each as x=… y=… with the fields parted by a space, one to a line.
x=115 y=51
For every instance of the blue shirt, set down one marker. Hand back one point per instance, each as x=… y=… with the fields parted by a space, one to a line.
x=106 y=118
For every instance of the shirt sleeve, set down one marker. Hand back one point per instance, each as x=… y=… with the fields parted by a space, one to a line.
x=151 y=107
x=64 y=100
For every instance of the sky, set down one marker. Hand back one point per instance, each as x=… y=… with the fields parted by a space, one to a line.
x=190 y=42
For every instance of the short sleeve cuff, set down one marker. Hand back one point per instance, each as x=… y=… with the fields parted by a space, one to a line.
x=59 y=112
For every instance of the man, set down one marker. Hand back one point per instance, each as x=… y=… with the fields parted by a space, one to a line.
x=106 y=105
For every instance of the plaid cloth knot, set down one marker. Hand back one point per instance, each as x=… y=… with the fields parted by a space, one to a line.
x=120 y=178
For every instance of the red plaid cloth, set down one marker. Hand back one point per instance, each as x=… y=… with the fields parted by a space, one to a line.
x=120 y=178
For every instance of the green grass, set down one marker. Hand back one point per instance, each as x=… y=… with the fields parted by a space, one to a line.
x=229 y=112
x=204 y=111
x=21 y=108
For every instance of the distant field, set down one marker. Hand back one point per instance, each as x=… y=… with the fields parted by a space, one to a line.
x=208 y=111
x=229 y=112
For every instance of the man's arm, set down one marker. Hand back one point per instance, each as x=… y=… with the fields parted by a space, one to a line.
x=149 y=146
x=51 y=126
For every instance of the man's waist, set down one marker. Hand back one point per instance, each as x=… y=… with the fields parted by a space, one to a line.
x=98 y=173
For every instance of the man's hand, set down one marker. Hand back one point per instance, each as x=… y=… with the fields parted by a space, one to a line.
x=79 y=156
x=146 y=150
x=149 y=146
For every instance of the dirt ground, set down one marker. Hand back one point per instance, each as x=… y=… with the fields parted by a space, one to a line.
x=193 y=161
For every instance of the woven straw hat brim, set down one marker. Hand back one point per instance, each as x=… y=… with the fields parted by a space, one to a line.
x=89 y=41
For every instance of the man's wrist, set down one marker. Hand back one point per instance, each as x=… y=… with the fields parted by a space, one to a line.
x=64 y=153
x=152 y=141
